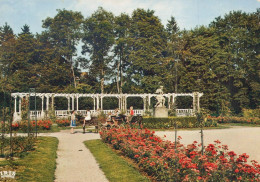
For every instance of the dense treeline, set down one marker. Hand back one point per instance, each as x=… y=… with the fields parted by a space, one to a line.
x=136 y=54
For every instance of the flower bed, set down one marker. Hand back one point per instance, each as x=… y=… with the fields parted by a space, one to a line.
x=63 y=122
x=233 y=119
x=159 y=159
x=23 y=125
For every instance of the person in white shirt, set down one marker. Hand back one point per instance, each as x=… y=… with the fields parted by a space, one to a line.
x=73 y=121
x=87 y=119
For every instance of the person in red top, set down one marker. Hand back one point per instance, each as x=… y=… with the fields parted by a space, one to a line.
x=131 y=114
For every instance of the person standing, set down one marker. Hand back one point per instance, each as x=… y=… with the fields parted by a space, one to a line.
x=131 y=114
x=86 y=120
x=73 y=121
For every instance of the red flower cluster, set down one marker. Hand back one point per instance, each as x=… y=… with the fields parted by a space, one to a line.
x=15 y=126
x=160 y=159
x=42 y=124
x=63 y=122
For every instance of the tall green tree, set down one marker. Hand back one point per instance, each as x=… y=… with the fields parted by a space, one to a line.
x=199 y=55
x=121 y=48
x=172 y=57
x=7 y=54
x=98 y=40
x=52 y=68
x=147 y=51
x=23 y=69
x=238 y=36
x=64 y=31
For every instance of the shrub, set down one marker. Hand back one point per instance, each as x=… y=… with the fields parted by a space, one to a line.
x=182 y=122
x=159 y=159
x=251 y=113
x=233 y=119
x=41 y=125
x=15 y=126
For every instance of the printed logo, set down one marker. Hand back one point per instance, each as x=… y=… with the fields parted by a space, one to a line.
x=7 y=174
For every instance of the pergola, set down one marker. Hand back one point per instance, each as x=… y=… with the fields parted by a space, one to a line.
x=98 y=103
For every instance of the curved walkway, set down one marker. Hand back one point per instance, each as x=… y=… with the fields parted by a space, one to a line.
x=239 y=139
x=75 y=162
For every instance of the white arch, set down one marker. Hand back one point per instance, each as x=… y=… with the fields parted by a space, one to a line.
x=98 y=100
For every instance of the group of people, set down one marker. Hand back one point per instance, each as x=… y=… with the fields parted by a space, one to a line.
x=114 y=117
x=73 y=120
x=111 y=117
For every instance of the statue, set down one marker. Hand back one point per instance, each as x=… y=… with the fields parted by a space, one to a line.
x=160 y=98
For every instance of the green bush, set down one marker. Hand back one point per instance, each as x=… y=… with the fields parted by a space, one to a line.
x=182 y=122
x=248 y=113
x=233 y=119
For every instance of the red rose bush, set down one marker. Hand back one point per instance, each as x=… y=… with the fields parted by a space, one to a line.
x=160 y=160
x=63 y=122
x=42 y=124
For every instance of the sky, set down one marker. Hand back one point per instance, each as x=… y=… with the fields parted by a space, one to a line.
x=188 y=13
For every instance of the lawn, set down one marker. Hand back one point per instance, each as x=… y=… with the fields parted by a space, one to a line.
x=115 y=167
x=38 y=165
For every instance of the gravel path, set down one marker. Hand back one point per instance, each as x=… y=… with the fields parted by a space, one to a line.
x=239 y=139
x=75 y=163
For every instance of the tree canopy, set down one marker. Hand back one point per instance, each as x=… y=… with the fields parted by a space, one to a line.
x=136 y=54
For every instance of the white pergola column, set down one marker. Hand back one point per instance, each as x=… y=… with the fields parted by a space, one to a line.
x=42 y=113
x=52 y=102
x=42 y=102
x=15 y=104
x=126 y=104
x=20 y=105
x=196 y=97
x=144 y=100
x=68 y=103
x=149 y=101
x=169 y=102
x=77 y=100
x=199 y=102
x=173 y=98
x=47 y=103
x=119 y=102
x=15 y=115
x=94 y=100
x=72 y=103
x=101 y=103
x=98 y=107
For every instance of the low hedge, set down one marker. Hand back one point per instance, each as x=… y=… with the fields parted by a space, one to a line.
x=182 y=122
x=233 y=119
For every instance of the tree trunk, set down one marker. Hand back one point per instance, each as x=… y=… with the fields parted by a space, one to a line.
x=121 y=74
x=102 y=80
x=73 y=73
x=117 y=77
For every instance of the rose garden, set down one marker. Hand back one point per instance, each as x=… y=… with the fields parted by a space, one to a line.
x=150 y=102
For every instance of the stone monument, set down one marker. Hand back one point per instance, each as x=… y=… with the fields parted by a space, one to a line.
x=160 y=111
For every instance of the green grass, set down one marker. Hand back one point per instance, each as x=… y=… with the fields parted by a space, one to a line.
x=54 y=128
x=38 y=165
x=115 y=168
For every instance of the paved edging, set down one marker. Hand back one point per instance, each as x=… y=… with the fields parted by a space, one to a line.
x=239 y=139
